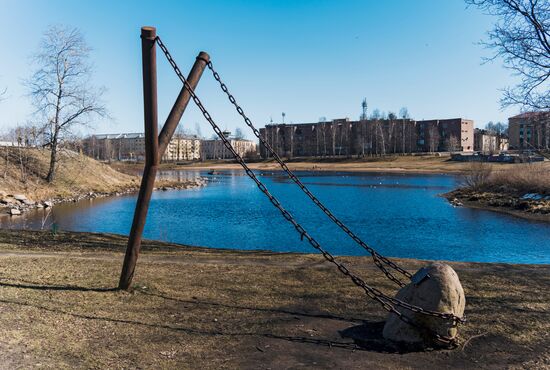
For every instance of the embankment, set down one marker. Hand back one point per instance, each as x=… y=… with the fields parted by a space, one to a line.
x=23 y=185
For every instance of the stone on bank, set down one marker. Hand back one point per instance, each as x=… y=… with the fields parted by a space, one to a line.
x=436 y=288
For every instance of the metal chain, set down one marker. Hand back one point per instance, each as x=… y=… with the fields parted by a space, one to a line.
x=377 y=258
x=386 y=301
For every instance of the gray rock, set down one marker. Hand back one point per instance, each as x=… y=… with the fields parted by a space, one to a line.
x=28 y=202
x=8 y=200
x=435 y=287
x=15 y=211
x=20 y=197
x=48 y=204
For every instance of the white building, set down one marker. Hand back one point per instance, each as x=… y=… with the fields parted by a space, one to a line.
x=215 y=149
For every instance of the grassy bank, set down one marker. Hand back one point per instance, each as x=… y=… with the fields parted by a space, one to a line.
x=522 y=191
x=23 y=171
x=194 y=307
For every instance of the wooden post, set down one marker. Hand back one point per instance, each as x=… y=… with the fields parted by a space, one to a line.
x=149 y=67
x=155 y=145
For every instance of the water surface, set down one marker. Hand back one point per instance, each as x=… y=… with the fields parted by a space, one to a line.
x=398 y=214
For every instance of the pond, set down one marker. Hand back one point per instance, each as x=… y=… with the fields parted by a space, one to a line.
x=399 y=215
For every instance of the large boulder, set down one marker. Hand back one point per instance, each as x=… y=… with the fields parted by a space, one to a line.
x=435 y=287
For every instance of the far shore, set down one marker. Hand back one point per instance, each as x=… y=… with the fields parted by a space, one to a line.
x=429 y=164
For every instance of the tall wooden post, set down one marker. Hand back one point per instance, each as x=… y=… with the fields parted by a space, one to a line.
x=155 y=144
x=149 y=66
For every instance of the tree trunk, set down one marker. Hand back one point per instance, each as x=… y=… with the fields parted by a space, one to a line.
x=53 y=162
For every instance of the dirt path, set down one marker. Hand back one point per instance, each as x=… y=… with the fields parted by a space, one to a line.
x=193 y=307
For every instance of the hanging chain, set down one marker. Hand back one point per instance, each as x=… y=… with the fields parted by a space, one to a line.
x=385 y=301
x=377 y=258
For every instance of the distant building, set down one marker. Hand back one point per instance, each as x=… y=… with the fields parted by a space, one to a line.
x=445 y=135
x=131 y=147
x=529 y=130
x=115 y=146
x=489 y=142
x=184 y=148
x=342 y=137
x=215 y=149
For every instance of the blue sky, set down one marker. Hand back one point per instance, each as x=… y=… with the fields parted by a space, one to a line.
x=307 y=58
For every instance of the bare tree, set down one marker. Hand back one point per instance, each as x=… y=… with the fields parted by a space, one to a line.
x=404 y=113
x=433 y=138
x=60 y=88
x=239 y=134
x=522 y=39
x=452 y=143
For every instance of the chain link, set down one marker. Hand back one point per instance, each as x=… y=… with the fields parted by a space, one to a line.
x=385 y=301
x=377 y=258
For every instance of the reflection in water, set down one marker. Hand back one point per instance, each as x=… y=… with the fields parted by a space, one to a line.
x=399 y=215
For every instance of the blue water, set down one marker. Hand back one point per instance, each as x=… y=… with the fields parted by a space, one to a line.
x=399 y=215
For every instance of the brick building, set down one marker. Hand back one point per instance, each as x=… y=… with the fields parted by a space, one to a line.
x=529 y=130
x=342 y=137
x=445 y=135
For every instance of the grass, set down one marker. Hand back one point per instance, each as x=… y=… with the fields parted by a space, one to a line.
x=194 y=307
x=25 y=171
x=524 y=178
x=529 y=178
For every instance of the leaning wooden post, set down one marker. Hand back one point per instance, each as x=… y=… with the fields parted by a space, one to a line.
x=149 y=66
x=155 y=145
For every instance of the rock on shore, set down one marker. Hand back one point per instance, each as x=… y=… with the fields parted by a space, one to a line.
x=16 y=204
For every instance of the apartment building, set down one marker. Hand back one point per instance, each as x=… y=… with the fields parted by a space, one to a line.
x=445 y=135
x=184 y=148
x=120 y=147
x=530 y=130
x=489 y=142
x=131 y=147
x=342 y=137
x=215 y=149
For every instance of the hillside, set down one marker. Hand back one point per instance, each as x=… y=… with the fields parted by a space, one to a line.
x=23 y=171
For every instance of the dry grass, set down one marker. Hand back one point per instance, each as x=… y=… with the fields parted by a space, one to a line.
x=199 y=308
x=528 y=178
x=26 y=169
x=398 y=164
x=521 y=179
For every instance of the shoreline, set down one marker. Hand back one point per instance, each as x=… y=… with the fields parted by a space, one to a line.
x=400 y=165
x=461 y=198
x=10 y=202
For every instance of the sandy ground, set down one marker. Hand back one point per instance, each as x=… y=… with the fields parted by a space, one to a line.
x=194 y=307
